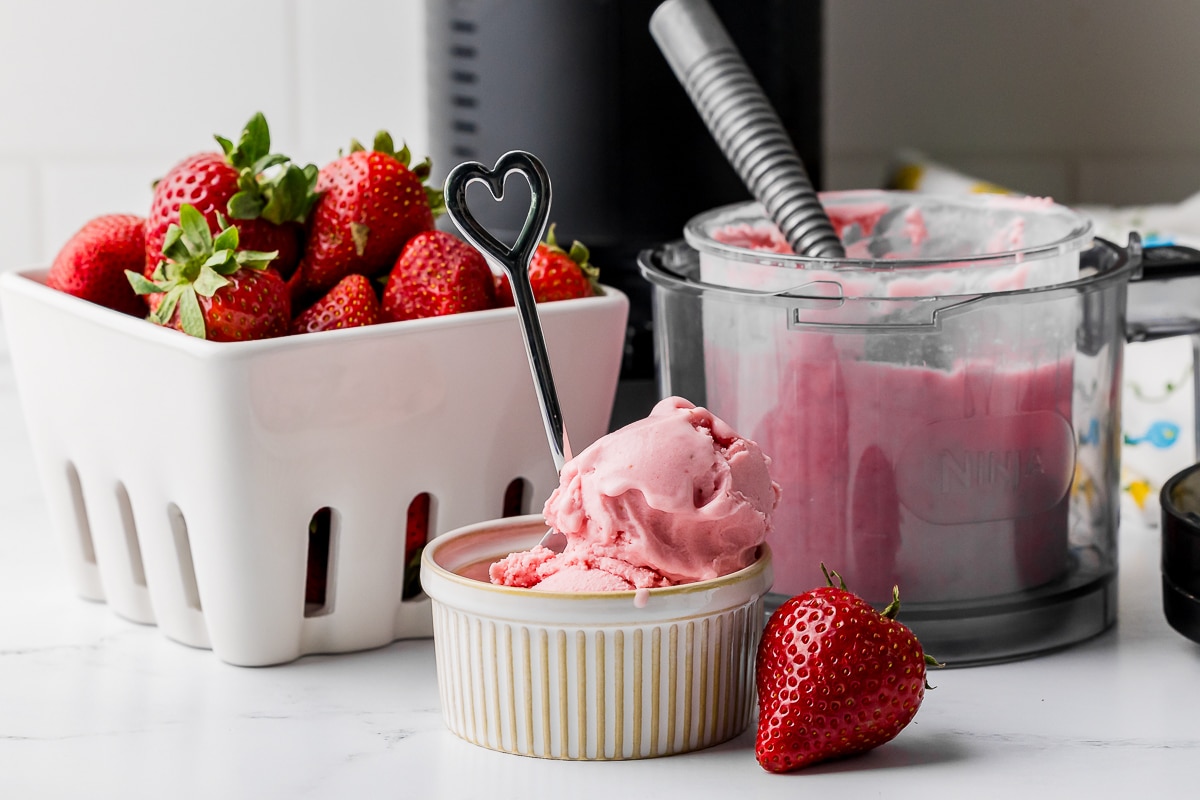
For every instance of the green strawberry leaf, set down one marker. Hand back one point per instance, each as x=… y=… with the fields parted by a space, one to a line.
x=227 y=239
x=286 y=196
x=356 y=146
x=226 y=146
x=893 y=608
x=437 y=201
x=217 y=260
x=171 y=244
x=196 y=235
x=141 y=284
x=580 y=254
x=208 y=282
x=384 y=144
x=551 y=239
x=176 y=254
x=423 y=169
x=311 y=173
x=191 y=318
x=266 y=162
x=166 y=308
x=255 y=142
x=277 y=195
x=247 y=181
x=246 y=205
x=254 y=259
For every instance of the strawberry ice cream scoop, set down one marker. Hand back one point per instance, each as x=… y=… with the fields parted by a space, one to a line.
x=673 y=498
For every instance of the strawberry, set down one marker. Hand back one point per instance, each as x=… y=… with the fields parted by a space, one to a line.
x=437 y=274
x=555 y=274
x=269 y=208
x=416 y=534
x=211 y=289
x=371 y=204
x=503 y=291
x=834 y=677
x=92 y=263
x=349 y=304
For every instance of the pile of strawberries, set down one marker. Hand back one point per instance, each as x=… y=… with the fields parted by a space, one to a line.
x=245 y=244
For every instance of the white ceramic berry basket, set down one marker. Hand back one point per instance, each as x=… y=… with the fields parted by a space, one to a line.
x=588 y=676
x=182 y=475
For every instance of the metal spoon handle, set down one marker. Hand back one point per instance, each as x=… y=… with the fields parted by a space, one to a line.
x=742 y=120
x=514 y=262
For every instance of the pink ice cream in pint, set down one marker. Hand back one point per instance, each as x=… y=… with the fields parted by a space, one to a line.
x=674 y=498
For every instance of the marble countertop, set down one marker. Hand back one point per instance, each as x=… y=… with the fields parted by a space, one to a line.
x=92 y=705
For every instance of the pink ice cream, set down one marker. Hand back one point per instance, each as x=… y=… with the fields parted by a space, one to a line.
x=673 y=498
x=941 y=462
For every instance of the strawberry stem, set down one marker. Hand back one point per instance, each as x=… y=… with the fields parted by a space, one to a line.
x=285 y=195
x=893 y=608
x=830 y=575
x=579 y=254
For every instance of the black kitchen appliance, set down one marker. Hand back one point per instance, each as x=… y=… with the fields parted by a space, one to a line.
x=582 y=84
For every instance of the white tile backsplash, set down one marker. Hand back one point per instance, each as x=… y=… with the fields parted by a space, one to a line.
x=1083 y=100
x=126 y=77
x=354 y=79
x=75 y=190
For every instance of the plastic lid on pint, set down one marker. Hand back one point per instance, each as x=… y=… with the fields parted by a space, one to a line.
x=902 y=244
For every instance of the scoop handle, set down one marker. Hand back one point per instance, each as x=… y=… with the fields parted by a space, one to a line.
x=743 y=122
x=514 y=262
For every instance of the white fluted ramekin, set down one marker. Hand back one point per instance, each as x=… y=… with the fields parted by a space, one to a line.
x=588 y=676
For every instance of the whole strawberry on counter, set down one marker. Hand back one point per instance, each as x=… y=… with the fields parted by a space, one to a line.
x=555 y=274
x=372 y=202
x=834 y=677
x=266 y=194
x=211 y=289
x=92 y=263
x=437 y=274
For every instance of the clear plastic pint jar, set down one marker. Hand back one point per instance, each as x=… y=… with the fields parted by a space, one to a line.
x=941 y=407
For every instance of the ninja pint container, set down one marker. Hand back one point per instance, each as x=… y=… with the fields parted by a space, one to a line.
x=942 y=407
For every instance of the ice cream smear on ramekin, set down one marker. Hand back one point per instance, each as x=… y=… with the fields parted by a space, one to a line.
x=674 y=498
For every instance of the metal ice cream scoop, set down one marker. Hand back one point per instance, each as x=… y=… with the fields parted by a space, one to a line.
x=743 y=122
x=514 y=262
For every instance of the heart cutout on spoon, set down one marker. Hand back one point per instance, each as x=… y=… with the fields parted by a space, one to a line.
x=514 y=262
x=517 y=256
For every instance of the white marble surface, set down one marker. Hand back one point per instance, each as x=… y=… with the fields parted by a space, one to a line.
x=94 y=706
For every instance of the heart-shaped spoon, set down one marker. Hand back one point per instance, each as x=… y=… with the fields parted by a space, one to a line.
x=514 y=262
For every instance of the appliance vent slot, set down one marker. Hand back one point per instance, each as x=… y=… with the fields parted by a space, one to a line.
x=464 y=78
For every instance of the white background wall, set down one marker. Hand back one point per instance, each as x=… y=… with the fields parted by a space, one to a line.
x=1090 y=101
